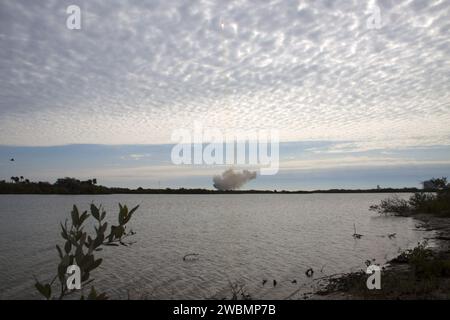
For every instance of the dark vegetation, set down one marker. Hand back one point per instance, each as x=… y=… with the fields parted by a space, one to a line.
x=20 y=185
x=418 y=273
x=81 y=247
x=436 y=201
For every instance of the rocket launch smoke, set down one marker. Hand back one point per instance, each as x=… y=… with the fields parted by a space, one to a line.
x=230 y=180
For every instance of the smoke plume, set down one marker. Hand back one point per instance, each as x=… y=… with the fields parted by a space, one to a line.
x=230 y=180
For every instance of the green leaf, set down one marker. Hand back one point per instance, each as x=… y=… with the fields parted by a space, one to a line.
x=99 y=240
x=103 y=227
x=95 y=212
x=133 y=210
x=122 y=216
x=59 y=252
x=45 y=290
x=66 y=260
x=85 y=277
x=67 y=247
x=95 y=264
x=64 y=232
x=128 y=217
x=61 y=272
x=90 y=245
x=86 y=262
x=83 y=238
x=83 y=217
x=93 y=294
x=79 y=255
x=117 y=232
x=75 y=216
x=78 y=235
x=76 y=239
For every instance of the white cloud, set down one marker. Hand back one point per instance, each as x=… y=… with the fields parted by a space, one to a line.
x=136 y=156
x=138 y=70
x=160 y=171
x=356 y=162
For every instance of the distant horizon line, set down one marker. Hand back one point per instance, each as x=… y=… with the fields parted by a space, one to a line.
x=24 y=186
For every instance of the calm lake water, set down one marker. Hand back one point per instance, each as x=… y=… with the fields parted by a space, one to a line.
x=239 y=238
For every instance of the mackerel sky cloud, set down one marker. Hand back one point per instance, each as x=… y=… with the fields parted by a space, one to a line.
x=138 y=70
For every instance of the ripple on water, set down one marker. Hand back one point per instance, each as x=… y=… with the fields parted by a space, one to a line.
x=239 y=238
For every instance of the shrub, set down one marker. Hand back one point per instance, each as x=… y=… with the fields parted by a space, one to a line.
x=80 y=248
x=424 y=263
x=420 y=202
x=392 y=205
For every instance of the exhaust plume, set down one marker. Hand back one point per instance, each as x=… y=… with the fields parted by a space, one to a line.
x=230 y=180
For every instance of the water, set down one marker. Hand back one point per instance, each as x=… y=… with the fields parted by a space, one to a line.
x=239 y=238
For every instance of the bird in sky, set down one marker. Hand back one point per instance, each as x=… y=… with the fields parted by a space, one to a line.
x=12 y=160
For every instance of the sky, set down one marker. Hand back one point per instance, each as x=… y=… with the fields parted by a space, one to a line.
x=355 y=106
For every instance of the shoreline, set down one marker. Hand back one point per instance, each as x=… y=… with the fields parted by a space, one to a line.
x=213 y=192
x=72 y=186
x=400 y=279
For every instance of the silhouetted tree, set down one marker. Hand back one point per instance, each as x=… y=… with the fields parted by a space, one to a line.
x=436 y=183
x=439 y=183
x=436 y=202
